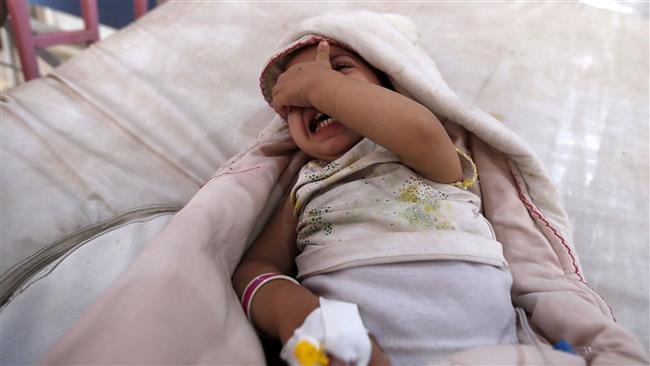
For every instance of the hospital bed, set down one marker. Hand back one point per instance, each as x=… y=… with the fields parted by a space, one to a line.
x=98 y=155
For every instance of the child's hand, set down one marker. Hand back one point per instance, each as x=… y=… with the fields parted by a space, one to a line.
x=377 y=358
x=294 y=85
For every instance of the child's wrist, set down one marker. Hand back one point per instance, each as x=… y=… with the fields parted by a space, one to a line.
x=289 y=321
x=295 y=307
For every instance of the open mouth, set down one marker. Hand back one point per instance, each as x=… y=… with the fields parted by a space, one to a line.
x=320 y=121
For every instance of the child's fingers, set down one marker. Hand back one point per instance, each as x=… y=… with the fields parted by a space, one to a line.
x=282 y=111
x=323 y=52
x=277 y=105
x=278 y=108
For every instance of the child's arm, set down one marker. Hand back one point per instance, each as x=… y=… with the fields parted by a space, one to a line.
x=388 y=118
x=280 y=306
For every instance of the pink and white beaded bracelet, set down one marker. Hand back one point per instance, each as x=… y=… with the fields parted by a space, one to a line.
x=255 y=284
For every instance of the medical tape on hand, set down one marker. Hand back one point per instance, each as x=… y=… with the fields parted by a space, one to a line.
x=335 y=328
x=305 y=347
x=345 y=335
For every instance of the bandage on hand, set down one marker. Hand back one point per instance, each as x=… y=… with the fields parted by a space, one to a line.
x=335 y=329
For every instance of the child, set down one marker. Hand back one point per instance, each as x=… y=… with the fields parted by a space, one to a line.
x=383 y=198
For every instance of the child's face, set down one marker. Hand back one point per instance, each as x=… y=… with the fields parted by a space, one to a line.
x=331 y=142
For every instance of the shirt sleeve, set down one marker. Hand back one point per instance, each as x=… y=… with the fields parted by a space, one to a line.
x=470 y=174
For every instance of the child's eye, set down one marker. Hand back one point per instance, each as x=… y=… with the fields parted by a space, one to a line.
x=341 y=65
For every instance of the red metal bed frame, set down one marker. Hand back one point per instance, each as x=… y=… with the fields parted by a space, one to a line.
x=27 y=42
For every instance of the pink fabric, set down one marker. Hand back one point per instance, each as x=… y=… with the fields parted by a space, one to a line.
x=175 y=304
x=546 y=284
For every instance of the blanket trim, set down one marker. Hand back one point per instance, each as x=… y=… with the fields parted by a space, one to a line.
x=531 y=208
x=534 y=211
